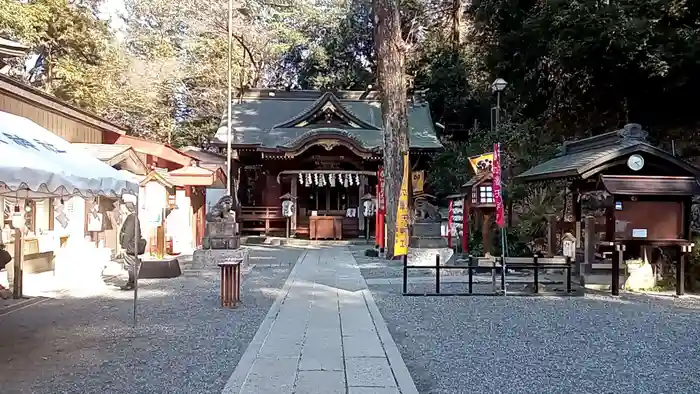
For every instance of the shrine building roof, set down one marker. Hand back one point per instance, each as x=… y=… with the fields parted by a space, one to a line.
x=587 y=157
x=270 y=119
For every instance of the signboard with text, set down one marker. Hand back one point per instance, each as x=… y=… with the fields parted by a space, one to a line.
x=418 y=181
x=381 y=199
x=402 y=236
x=497 y=188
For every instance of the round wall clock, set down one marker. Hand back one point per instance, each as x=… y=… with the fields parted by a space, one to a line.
x=635 y=162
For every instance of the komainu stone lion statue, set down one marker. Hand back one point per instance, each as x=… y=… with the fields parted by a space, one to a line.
x=423 y=211
x=221 y=210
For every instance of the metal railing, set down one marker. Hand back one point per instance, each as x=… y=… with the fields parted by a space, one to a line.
x=496 y=265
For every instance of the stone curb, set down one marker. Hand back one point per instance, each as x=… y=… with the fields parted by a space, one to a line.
x=403 y=378
x=245 y=364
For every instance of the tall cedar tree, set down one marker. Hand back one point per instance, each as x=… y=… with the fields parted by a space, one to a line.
x=392 y=85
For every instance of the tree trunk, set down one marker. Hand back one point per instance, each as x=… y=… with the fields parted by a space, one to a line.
x=392 y=85
x=456 y=24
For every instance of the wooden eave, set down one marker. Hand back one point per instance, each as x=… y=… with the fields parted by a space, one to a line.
x=476 y=180
x=640 y=185
x=45 y=101
x=157 y=149
x=134 y=164
x=197 y=176
x=154 y=175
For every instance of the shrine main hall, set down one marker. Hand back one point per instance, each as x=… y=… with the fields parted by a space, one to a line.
x=321 y=150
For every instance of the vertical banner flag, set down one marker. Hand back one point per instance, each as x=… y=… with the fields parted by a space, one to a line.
x=465 y=224
x=450 y=215
x=497 y=192
x=381 y=210
x=381 y=201
x=401 y=244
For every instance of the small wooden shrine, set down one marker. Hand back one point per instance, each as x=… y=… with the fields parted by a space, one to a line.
x=478 y=198
x=637 y=195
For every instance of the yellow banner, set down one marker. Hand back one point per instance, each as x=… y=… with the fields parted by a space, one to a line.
x=401 y=243
x=483 y=162
x=418 y=181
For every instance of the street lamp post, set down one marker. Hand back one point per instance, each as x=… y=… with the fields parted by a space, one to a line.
x=498 y=86
x=230 y=99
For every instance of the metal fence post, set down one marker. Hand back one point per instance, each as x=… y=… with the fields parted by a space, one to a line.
x=535 y=275
x=503 y=274
x=568 y=274
x=493 y=275
x=437 y=273
x=471 y=273
x=405 y=274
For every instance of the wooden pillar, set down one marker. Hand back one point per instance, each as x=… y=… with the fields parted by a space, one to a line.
x=486 y=234
x=18 y=267
x=576 y=205
x=551 y=235
x=610 y=223
x=590 y=244
x=360 y=210
x=295 y=200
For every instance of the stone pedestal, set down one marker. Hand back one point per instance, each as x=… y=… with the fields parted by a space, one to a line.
x=426 y=242
x=427 y=235
x=221 y=235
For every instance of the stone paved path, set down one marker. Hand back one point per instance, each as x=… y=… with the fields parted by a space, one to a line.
x=323 y=335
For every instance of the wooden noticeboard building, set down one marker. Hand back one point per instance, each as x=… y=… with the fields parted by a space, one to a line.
x=647 y=192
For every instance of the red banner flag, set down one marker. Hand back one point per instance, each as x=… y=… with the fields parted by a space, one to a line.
x=497 y=197
x=381 y=199
x=450 y=214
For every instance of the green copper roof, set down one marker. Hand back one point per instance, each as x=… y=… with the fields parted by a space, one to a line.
x=267 y=118
x=589 y=155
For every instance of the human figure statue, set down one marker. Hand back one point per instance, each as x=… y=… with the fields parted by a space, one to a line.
x=129 y=233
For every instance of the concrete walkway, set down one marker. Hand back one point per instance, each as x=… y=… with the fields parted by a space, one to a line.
x=323 y=335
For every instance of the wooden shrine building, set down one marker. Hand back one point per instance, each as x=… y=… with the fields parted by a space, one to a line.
x=323 y=148
x=638 y=197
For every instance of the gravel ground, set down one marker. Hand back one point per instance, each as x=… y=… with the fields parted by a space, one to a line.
x=184 y=342
x=592 y=344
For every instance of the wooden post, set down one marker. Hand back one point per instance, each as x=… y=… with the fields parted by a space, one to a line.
x=551 y=235
x=17 y=280
x=361 y=223
x=610 y=223
x=485 y=234
x=576 y=205
x=590 y=244
x=293 y=192
x=618 y=256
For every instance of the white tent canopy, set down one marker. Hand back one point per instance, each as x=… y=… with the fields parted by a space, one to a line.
x=35 y=163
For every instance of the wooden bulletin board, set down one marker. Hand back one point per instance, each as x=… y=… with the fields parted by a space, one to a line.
x=660 y=219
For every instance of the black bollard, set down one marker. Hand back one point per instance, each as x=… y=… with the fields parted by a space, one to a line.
x=437 y=274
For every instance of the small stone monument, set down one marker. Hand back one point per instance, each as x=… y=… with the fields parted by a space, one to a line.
x=426 y=238
x=221 y=228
